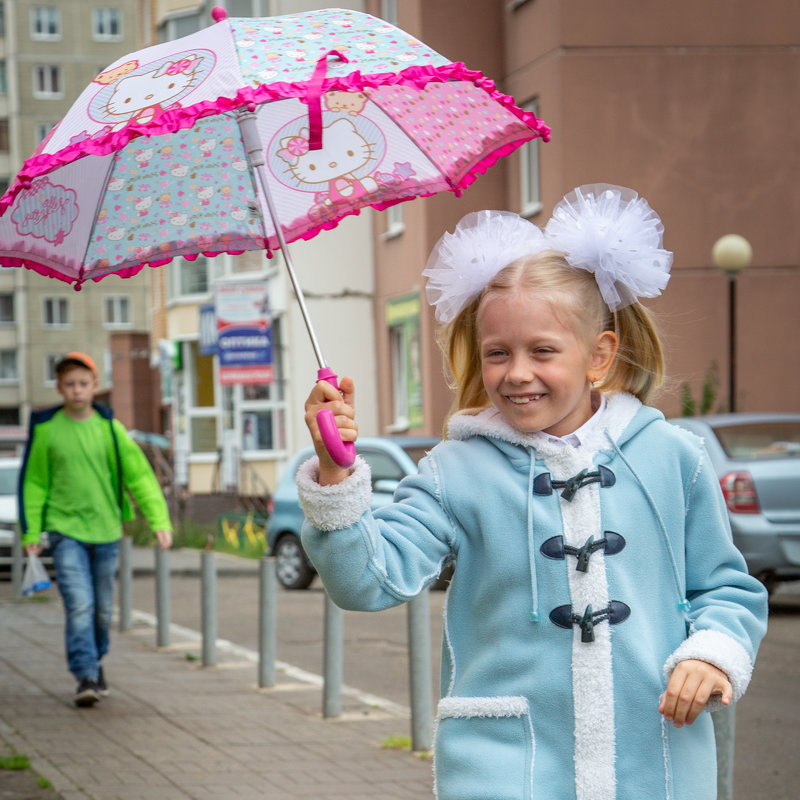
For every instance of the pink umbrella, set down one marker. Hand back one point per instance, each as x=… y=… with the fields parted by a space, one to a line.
x=245 y=136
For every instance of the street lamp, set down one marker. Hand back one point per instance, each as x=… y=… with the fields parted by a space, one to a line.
x=732 y=253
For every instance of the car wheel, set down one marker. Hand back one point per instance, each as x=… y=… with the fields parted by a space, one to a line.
x=443 y=581
x=769 y=580
x=290 y=563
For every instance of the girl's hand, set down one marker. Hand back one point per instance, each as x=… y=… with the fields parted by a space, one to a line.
x=341 y=402
x=692 y=683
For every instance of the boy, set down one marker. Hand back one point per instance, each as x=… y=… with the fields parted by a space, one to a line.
x=79 y=461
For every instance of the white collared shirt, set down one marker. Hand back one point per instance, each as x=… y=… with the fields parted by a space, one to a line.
x=576 y=438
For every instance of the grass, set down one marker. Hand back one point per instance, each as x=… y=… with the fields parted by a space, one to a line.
x=236 y=536
x=397 y=743
x=403 y=743
x=15 y=761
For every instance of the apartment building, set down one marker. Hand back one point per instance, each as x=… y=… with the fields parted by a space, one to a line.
x=694 y=105
x=49 y=51
x=240 y=435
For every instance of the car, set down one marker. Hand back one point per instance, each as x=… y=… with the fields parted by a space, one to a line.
x=9 y=476
x=390 y=458
x=757 y=461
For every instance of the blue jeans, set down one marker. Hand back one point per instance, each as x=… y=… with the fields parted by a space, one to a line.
x=85 y=575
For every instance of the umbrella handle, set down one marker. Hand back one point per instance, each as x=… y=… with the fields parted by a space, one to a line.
x=342 y=453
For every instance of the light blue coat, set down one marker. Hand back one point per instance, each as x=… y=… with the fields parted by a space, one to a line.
x=551 y=674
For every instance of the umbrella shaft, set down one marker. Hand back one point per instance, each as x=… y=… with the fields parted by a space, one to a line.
x=252 y=144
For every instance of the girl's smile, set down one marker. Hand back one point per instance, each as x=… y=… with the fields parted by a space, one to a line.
x=536 y=369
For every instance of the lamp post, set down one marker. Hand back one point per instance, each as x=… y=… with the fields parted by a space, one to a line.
x=732 y=253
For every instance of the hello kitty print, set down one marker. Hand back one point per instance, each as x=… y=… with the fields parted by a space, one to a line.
x=287 y=48
x=361 y=162
x=188 y=192
x=141 y=93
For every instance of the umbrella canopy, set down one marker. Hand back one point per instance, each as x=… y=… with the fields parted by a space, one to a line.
x=246 y=135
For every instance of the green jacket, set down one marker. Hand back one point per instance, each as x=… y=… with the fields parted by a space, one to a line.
x=76 y=476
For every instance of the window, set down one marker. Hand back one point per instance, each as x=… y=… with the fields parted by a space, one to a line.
x=55 y=313
x=3 y=78
x=262 y=408
x=202 y=411
x=248 y=8
x=530 y=189
x=389 y=11
x=106 y=25
x=188 y=277
x=3 y=135
x=394 y=221
x=45 y=23
x=41 y=129
x=117 y=311
x=8 y=366
x=9 y=415
x=402 y=319
x=399 y=353
x=47 y=82
x=7 y=308
x=182 y=24
x=50 y=362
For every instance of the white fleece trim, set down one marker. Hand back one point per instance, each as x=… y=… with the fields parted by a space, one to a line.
x=466 y=707
x=621 y=408
x=592 y=682
x=721 y=650
x=335 y=507
x=502 y=707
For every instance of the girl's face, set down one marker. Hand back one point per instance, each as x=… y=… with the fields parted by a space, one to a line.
x=537 y=367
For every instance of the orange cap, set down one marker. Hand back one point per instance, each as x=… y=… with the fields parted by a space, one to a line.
x=75 y=358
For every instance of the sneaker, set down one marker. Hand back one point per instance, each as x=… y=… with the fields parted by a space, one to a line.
x=102 y=688
x=87 y=693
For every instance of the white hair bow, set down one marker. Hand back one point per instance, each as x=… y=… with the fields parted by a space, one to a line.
x=462 y=263
x=613 y=233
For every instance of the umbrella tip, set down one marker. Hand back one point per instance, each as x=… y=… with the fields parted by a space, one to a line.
x=218 y=13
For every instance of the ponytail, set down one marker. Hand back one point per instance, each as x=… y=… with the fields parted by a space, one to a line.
x=639 y=366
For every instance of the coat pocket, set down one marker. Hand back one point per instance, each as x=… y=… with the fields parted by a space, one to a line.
x=483 y=749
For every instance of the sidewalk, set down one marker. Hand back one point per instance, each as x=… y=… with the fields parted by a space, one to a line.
x=173 y=729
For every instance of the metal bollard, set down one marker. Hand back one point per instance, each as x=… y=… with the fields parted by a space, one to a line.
x=419 y=671
x=17 y=558
x=162 y=597
x=125 y=583
x=332 y=660
x=724 y=734
x=208 y=603
x=267 y=621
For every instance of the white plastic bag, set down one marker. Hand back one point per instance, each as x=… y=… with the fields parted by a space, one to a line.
x=35 y=578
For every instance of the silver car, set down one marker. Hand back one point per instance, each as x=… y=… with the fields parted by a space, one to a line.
x=757 y=460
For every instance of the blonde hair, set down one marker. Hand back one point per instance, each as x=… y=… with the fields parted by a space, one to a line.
x=638 y=367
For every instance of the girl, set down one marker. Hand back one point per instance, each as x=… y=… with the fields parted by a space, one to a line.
x=597 y=595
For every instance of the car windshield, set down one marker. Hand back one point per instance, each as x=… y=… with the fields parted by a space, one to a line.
x=760 y=440
x=8 y=480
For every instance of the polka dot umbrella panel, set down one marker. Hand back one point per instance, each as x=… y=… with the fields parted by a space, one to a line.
x=154 y=159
